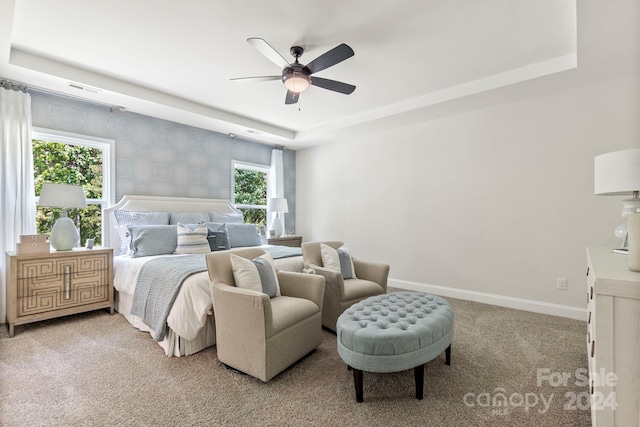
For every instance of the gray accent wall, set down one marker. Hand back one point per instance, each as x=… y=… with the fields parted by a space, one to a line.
x=158 y=157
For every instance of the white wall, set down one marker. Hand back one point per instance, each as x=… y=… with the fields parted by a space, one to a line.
x=497 y=201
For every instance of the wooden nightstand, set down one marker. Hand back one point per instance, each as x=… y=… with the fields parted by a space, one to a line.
x=294 y=241
x=46 y=285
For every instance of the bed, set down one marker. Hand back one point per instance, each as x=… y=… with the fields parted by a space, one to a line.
x=190 y=325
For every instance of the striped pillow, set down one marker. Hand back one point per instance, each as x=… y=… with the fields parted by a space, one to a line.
x=192 y=241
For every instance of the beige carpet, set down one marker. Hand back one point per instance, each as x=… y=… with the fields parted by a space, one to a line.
x=95 y=369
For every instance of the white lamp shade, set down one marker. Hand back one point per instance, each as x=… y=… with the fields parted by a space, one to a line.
x=278 y=204
x=62 y=196
x=617 y=173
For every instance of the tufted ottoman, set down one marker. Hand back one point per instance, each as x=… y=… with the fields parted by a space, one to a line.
x=395 y=332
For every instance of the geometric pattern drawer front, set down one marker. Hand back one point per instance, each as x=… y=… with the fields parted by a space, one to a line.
x=34 y=286
x=47 y=300
x=45 y=285
x=48 y=267
x=53 y=283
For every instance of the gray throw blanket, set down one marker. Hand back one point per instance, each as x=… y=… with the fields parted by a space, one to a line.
x=158 y=285
x=160 y=281
x=282 y=251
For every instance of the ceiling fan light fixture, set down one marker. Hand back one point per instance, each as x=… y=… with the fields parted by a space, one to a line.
x=296 y=81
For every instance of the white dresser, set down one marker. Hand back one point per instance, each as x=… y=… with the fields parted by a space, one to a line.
x=613 y=339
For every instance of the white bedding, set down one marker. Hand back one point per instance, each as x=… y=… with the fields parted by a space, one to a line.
x=193 y=302
x=192 y=305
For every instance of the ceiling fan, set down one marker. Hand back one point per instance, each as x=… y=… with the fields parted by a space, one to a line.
x=297 y=77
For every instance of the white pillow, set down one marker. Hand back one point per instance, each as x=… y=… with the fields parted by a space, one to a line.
x=257 y=275
x=192 y=241
x=338 y=260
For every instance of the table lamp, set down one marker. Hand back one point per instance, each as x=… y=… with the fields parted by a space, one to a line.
x=64 y=234
x=278 y=205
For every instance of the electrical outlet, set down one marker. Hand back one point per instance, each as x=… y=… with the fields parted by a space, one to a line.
x=562 y=283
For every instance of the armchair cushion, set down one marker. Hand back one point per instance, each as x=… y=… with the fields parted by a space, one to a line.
x=338 y=260
x=289 y=311
x=258 y=274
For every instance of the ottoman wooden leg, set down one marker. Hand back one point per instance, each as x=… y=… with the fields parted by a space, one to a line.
x=358 y=381
x=418 y=373
x=447 y=355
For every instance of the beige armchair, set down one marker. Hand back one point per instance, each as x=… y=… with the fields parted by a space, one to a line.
x=339 y=293
x=258 y=335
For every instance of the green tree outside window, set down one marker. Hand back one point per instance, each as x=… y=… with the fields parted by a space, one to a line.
x=60 y=163
x=251 y=190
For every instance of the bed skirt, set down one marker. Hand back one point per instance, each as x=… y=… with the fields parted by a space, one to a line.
x=173 y=344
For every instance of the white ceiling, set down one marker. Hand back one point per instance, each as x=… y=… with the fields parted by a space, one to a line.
x=174 y=60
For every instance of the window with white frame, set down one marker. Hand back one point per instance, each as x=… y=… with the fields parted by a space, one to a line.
x=65 y=158
x=249 y=186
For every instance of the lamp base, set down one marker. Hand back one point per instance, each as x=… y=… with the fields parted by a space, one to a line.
x=276 y=225
x=64 y=234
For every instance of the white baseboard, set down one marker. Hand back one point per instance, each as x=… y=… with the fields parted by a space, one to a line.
x=499 y=300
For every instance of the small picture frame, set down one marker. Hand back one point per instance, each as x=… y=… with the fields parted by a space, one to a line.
x=272 y=233
x=263 y=231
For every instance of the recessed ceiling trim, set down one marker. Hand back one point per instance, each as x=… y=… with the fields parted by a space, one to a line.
x=495 y=81
x=41 y=64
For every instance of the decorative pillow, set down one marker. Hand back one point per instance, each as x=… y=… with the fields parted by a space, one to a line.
x=338 y=260
x=188 y=217
x=243 y=235
x=227 y=218
x=258 y=274
x=124 y=218
x=147 y=240
x=217 y=236
x=192 y=239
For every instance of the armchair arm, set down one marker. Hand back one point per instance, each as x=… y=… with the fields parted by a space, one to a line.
x=333 y=283
x=300 y=285
x=373 y=271
x=240 y=312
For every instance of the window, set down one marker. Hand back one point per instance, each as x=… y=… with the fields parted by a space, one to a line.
x=250 y=191
x=65 y=158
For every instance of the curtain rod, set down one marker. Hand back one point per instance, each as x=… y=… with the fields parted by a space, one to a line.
x=9 y=85
x=13 y=85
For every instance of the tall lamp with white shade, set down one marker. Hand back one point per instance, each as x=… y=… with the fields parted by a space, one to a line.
x=64 y=234
x=280 y=206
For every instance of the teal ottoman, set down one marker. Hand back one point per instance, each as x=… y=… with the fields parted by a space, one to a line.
x=393 y=333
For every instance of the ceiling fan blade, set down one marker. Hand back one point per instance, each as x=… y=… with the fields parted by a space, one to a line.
x=292 y=97
x=266 y=49
x=256 y=79
x=333 y=85
x=330 y=58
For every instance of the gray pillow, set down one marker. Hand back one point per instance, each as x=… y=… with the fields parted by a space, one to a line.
x=217 y=236
x=243 y=235
x=188 y=217
x=138 y=218
x=148 y=240
x=227 y=218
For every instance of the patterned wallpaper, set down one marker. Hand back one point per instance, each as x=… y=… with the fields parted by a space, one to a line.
x=158 y=157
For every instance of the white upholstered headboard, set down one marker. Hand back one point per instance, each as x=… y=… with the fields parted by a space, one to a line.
x=159 y=203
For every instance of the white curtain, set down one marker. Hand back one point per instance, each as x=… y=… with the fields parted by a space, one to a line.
x=276 y=179
x=17 y=193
